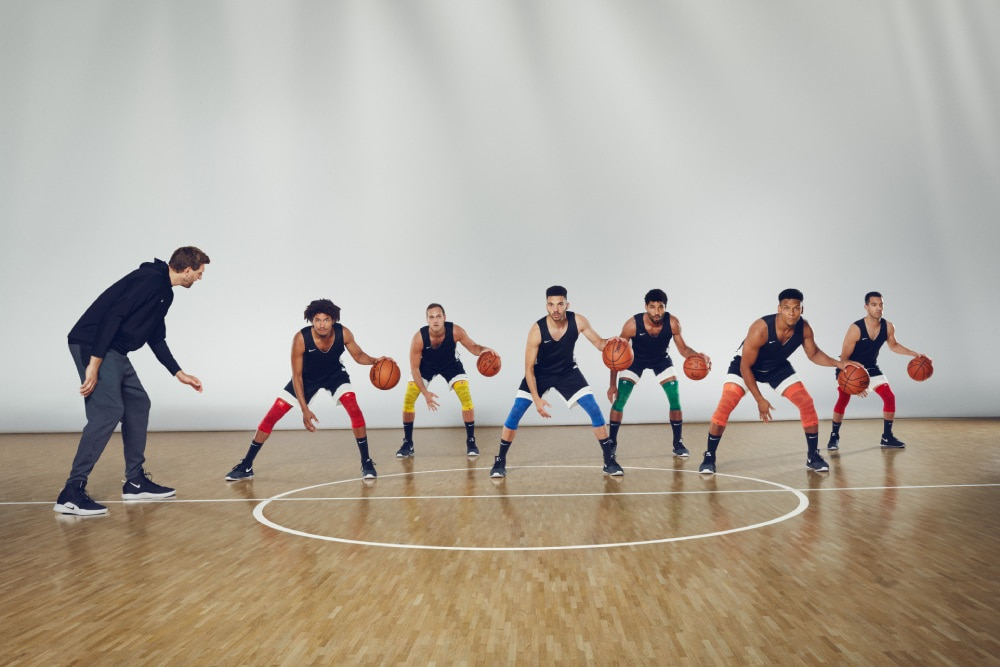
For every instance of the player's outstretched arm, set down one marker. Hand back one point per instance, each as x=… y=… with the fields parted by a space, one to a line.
x=587 y=331
x=756 y=338
x=461 y=336
x=682 y=346
x=359 y=355
x=818 y=356
x=897 y=347
x=298 y=354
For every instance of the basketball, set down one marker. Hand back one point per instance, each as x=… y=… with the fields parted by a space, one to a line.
x=384 y=374
x=488 y=364
x=695 y=368
x=920 y=368
x=853 y=380
x=617 y=355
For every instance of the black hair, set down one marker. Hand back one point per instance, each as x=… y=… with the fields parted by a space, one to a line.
x=790 y=293
x=556 y=290
x=322 y=307
x=656 y=295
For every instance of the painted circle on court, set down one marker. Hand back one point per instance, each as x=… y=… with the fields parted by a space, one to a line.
x=258 y=512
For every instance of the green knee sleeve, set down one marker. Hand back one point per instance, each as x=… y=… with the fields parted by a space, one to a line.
x=673 y=394
x=624 y=391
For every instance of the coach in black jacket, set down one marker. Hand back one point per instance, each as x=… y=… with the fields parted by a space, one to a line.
x=126 y=316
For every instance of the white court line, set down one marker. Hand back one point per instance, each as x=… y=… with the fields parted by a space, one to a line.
x=904 y=487
x=258 y=514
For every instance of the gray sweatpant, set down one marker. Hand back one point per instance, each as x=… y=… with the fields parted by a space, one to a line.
x=118 y=398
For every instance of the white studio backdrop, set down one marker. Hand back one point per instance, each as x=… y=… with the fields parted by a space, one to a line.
x=390 y=154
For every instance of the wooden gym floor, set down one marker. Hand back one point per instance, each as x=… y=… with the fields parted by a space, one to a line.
x=890 y=558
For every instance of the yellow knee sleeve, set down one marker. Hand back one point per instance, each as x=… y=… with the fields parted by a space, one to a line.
x=462 y=391
x=410 y=398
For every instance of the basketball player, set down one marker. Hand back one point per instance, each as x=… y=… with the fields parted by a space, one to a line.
x=433 y=351
x=316 y=352
x=862 y=343
x=763 y=357
x=549 y=363
x=126 y=316
x=650 y=344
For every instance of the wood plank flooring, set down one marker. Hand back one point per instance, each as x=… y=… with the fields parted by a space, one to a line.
x=890 y=558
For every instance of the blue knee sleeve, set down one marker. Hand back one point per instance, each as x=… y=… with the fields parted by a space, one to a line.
x=588 y=403
x=516 y=412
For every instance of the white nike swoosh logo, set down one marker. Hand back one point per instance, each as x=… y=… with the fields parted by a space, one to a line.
x=134 y=484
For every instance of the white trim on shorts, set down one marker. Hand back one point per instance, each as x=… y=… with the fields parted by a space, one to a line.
x=785 y=384
x=570 y=402
x=668 y=373
x=341 y=390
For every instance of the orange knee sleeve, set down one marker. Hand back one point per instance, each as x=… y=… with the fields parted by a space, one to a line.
x=798 y=395
x=732 y=394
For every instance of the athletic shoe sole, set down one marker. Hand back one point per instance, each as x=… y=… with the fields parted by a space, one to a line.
x=70 y=508
x=148 y=495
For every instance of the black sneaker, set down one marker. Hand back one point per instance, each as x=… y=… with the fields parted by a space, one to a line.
x=498 y=469
x=73 y=499
x=707 y=466
x=816 y=463
x=471 y=450
x=368 y=469
x=680 y=450
x=405 y=451
x=834 y=443
x=144 y=487
x=612 y=468
x=892 y=442
x=239 y=472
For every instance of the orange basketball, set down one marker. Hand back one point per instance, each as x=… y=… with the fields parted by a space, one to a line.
x=617 y=355
x=920 y=368
x=384 y=374
x=853 y=380
x=695 y=368
x=488 y=364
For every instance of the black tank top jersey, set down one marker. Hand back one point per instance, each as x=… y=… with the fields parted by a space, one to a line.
x=317 y=364
x=434 y=358
x=866 y=350
x=649 y=349
x=773 y=354
x=556 y=356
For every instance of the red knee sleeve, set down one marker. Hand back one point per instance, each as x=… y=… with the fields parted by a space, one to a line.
x=350 y=403
x=798 y=395
x=888 y=398
x=277 y=411
x=842 y=400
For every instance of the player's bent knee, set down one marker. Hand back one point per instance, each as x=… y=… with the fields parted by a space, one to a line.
x=798 y=395
x=410 y=397
x=843 y=398
x=624 y=391
x=277 y=411
x=732 y=394
x=350 y=403
x=464 y=395
x=888 y=398
x=516 y=412
x=589 y=403
x=673 y=394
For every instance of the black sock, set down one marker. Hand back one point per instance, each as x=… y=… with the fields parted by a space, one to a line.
x=504 y=446
x=613 y=430
x=607 y=447
x=363 y=448
x=252 y=452
x=812 y=443
x=887 y=428
x=713 y=443
x=676 y=428
x=407 y=431
x=836 y=428
x=470 y=431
